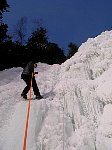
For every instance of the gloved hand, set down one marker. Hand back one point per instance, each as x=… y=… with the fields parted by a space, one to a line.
x=35 y=73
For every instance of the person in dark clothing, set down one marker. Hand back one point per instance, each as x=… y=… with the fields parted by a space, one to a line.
x=27 y=75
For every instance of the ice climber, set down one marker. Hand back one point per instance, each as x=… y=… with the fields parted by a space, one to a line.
x=27 y=75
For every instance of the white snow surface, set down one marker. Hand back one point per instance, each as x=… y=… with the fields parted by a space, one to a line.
x=76 y=111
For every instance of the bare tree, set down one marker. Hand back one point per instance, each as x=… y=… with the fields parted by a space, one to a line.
x=20 y=30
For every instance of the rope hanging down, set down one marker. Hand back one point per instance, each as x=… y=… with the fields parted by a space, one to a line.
x=27 y=118
x=64 y=124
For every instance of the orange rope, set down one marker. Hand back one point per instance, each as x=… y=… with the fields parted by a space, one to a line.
x=28 y=113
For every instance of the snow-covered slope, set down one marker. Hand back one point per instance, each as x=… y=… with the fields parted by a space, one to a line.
x=76 y=111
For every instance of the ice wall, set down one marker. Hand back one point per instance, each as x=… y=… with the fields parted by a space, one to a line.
x=85 y=89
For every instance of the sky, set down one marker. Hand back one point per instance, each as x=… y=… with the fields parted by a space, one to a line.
x=65 y=20
x=76 y=110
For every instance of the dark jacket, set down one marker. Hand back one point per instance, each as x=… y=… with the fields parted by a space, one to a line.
x=28 y=70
